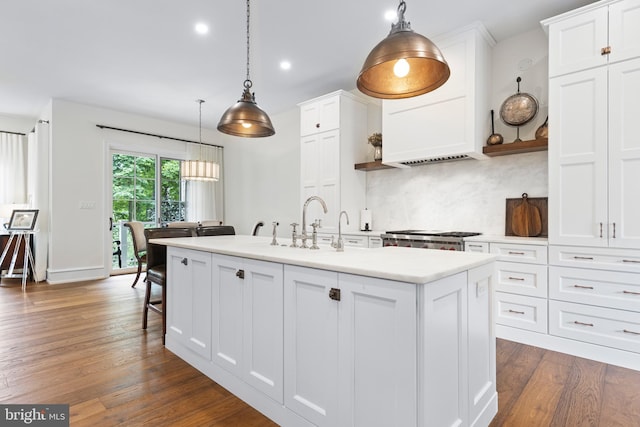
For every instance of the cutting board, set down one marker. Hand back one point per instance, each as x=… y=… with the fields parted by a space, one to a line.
x=526 y=218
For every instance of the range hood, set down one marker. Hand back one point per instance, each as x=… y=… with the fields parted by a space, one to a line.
x=452 y=122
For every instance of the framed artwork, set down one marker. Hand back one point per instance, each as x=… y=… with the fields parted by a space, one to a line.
x=23 y=219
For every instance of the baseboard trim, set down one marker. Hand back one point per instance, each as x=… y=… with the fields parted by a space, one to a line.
x=55 y=277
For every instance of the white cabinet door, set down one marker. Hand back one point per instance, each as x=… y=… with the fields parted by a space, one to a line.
x=577 y=159
x=624 y=30
x=624 y=153
x=189 y=290
x=248 y=321
x=227 y=313
x=577 y=42
x=320 y=115
x=263 y=327
x=311 y=344
x=444 y=353
x=377 y=352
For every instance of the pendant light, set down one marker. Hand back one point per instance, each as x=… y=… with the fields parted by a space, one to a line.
x=199 y=170
x=403 y=65
x=245 y=118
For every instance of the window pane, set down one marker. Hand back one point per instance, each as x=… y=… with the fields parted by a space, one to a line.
x=146 y=211
x=123 y=165
x=145 y=189
x=146 y=167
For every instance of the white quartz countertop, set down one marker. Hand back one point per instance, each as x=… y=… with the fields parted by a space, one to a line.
x=507 y=239
x=394 y=263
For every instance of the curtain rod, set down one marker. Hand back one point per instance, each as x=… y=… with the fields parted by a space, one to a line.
x=157 y=136
x=13 y=133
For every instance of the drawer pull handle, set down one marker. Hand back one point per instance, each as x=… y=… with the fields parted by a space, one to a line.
x=631 y=292
x=515 y=253
x=635 y=261
x=614 y=230
x=601 y=230
x=605 y=50
x=355 y=242
x=516 y=312
x=626 y=331
x=475 y=246
x=588 y=258
x=583 y=287
x=516 y=278
x=582 y=323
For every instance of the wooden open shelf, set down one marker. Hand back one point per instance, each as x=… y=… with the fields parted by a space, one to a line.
x=372 y=166
x=516 y=147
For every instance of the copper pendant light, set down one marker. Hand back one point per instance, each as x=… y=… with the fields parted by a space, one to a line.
x=403 y=65
x=245 y=118
x=199 y=170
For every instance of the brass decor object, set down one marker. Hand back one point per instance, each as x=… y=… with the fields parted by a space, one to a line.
x=494 y=138
x=518 y=109
x=403 y=65
x=245 y=118
x=376 y=141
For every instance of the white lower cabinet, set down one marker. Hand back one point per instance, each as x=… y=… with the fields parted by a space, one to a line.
x=350 y=349
x=247 y=307
x=189 y=315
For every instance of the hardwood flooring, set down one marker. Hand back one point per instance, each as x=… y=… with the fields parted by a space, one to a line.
x=82 y=344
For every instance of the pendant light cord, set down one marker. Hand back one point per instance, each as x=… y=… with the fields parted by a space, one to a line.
x=200 y=101
x=248 y=82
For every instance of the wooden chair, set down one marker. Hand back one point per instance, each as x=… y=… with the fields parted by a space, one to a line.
x=182 y=224
x=216 y=230
x=210 y=222
x=157 y=270
x=139 y=246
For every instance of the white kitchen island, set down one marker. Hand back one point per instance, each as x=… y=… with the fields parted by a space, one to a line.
x=366 y=337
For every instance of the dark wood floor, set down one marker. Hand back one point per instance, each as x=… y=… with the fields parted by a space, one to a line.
x=81 y=344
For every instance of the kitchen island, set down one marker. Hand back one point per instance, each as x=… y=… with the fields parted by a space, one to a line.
x=366 y=337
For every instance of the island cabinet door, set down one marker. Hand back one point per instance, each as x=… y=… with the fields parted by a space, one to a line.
x=443 y=352
x=311 y=344
x=189 y=296
x=248 y=321
x=377 y=351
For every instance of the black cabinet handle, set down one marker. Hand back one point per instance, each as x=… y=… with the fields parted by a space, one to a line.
x=185 y=261
x=240 y=274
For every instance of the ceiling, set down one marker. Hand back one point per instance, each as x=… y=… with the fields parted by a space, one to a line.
x=144 y=57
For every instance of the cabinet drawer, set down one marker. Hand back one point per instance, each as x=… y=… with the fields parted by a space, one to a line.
x=324 y=239
x=476 y=247
x=523 y=279
x=375 y=242
x=603 y=288
x=600 y=258
x=521 y=312
x=533 y=254
x=597 y=325
x=354 y=240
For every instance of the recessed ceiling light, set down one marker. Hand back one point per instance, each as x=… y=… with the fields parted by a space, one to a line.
x=391 y=15
x=201 y=28
x=285 y=65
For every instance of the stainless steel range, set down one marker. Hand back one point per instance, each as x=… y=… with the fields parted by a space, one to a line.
x=427 y=239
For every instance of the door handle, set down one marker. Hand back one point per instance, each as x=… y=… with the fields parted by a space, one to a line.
x=110 y=223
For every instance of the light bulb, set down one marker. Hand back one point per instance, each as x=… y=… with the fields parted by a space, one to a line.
x=401 y=68
x=246 y=125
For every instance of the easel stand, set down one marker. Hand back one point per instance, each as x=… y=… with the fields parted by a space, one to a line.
x=28 y=257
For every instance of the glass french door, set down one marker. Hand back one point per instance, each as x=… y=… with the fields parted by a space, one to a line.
x=145 y=188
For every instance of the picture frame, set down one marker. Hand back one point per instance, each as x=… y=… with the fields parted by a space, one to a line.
x=23 y=220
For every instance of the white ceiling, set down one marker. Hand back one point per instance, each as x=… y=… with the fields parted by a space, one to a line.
x=143 y=56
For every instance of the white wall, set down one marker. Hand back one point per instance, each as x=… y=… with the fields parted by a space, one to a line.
x=470 y=195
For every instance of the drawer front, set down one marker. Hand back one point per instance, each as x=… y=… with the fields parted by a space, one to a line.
x=533 y=254
x=375 y=242
x=323 y=239
x=522 y=312
x=355 y=240
x=596 y=325
x=610 y=289
x=476 y=247
x=523 y=279
x=598 y=258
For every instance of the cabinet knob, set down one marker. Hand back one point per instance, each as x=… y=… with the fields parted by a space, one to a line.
x=240 y=274
x=605 y=50
x=185 y=261
x=334 y=294
x=317 y=125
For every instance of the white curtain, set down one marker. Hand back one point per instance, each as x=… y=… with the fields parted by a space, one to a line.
x=205 y=199
x=13 y=168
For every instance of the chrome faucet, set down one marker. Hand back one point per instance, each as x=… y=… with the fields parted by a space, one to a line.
x=274 y=242
x=340 y=244
x=304 y=235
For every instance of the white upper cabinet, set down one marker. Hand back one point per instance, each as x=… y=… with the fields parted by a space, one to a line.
x=451 y=121
x=594 y=151
x=333 y=138
x=593 y=36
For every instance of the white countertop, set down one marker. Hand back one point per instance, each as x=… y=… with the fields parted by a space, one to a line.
x=508 y=239
x=401 y=264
